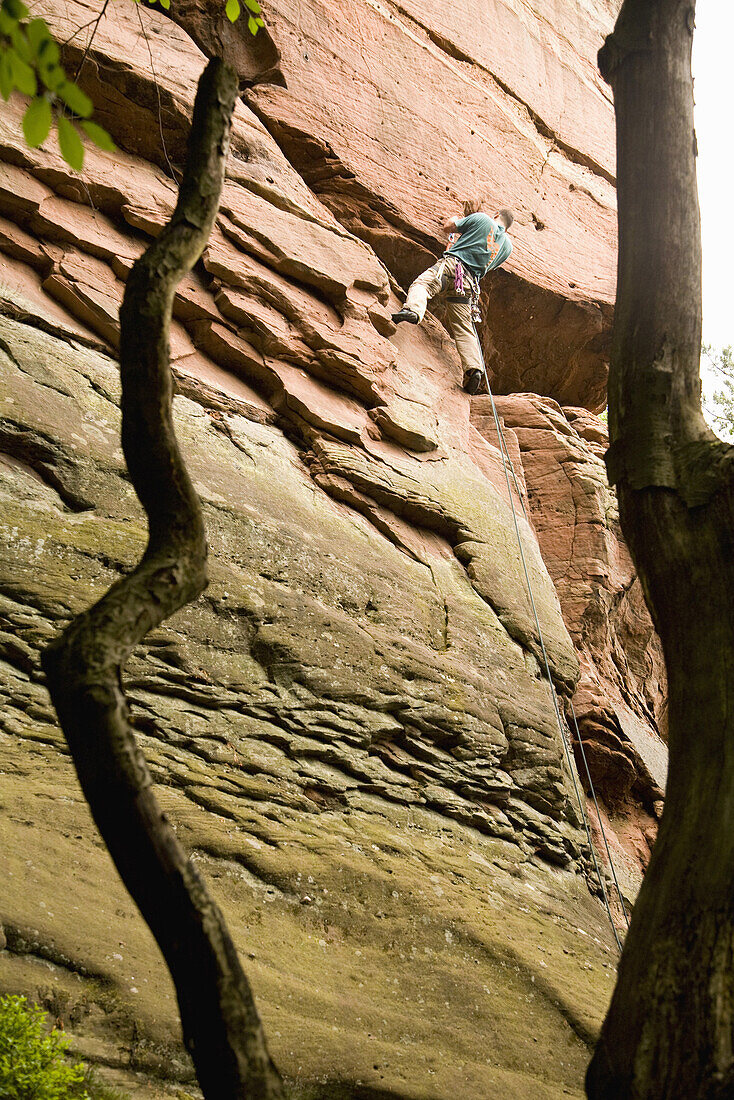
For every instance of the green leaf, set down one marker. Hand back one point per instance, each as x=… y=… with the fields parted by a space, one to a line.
x=21 y=45
x=70 y=144
x=53 y=76
x=253 y=6
x=74 y=98
x=6 y=76
x=252 y=24
x=99 y=136
x=49 y=69
x=16 y=9
x=24 y=77
x=7 y=23
x=33 y=1063
x=38 y=32
x=37 y=121
x=232 y=9
x=48 y=52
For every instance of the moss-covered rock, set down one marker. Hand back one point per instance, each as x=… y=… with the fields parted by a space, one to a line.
x=359 y=754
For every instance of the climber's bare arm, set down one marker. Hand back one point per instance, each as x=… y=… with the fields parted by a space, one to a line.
x=449 y=226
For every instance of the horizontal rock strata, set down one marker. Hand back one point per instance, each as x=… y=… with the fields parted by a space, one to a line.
x=396 y=111
x=620 y=702
x=350 y=728
x=329 y=685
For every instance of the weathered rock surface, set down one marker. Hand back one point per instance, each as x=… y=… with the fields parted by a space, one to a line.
x=344 y=733
x=350 y=728
x=395 y=112
x=620 y=701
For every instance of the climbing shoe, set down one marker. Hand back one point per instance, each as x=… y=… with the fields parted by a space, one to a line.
x=405 y=315
x=472 y=381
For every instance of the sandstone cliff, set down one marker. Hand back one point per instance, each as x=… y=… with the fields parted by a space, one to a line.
x=350 y=728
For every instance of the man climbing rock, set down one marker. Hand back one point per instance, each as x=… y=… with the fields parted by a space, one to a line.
x=479 y=244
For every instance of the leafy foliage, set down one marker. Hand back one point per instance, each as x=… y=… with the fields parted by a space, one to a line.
x=254 y=17
x=720 y=410
x=33 y=1065
x=30 y=62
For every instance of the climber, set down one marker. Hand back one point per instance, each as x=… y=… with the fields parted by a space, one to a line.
x=478 y=244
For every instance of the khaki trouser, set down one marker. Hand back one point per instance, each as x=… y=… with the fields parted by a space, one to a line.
x=438 y=279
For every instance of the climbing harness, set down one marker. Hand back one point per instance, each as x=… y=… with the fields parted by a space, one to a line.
x=510 y=470
x=466 y=286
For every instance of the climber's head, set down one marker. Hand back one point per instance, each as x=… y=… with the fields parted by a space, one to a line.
x=473 y=205
x=480 y=202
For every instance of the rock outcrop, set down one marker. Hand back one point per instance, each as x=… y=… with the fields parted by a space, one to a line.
x=620 y=700
x=352 y=728
x=337 y=731
x=394 y=113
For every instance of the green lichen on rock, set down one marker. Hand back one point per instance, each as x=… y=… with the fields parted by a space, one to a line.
x=361 y=757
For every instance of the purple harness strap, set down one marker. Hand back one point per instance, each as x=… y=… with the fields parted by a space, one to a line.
x=465 y=285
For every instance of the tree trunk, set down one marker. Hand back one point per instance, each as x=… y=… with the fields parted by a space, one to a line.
x=669 y=1033
x=83 y=667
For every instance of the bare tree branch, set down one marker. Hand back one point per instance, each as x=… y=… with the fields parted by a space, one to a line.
x=84 y=666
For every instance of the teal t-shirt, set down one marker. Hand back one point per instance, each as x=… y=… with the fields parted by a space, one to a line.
x=483 y=244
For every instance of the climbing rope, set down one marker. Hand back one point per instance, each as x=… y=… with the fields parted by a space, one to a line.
x=508 y=464
x=508 y=467
x=622 y=906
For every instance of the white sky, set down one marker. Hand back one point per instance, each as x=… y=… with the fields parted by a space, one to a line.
x=713 y=61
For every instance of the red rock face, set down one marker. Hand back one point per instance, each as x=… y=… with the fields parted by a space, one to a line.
x=395 y=113
x=353 y=723
x=620 y=701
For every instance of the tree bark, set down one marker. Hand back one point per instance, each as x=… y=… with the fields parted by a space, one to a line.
x=669 y=1032
x=83 y=667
